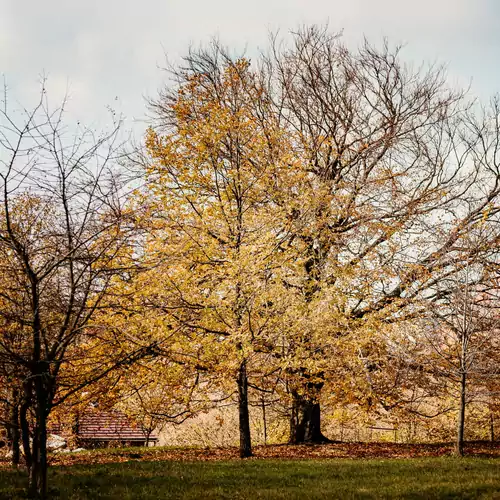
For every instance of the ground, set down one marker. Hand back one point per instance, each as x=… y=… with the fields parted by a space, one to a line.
x=215 y=474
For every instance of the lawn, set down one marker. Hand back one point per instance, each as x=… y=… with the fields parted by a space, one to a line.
x=418 y=478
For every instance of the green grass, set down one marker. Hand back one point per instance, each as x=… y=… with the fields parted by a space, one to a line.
x=281 y=479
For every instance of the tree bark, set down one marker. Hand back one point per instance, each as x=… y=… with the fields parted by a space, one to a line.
x=244 y=417
x=148 y=433
x=305 y=417
x=37 y=482
x=14 y=432
x=459 y=446
x=305 y=420
x=37 y=478
x=264 y=419
x=24 y=424
x=492 y=427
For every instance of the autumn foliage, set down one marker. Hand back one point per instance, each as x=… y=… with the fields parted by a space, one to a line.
x=315 y=236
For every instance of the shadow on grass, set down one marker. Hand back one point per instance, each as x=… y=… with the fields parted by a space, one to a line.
x=252 y=479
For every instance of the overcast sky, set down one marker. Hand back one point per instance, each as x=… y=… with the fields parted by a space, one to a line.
x=108 y=52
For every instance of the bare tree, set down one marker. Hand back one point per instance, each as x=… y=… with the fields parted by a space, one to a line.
x=65 y=242
x=462 y=343
x=401 y=157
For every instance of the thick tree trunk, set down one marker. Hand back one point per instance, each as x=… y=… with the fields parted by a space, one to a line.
x=244 y=417
x=37 y=486
x=305 y=417
x=459 y=446
x=305 y=421
x=37 y=479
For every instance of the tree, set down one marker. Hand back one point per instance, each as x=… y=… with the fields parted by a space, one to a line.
x=66 y=240
x=217 y=160
x=395 y=157
x=462 y=342
x=379 y=191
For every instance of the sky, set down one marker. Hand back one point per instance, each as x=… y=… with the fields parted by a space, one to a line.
x=110 y=53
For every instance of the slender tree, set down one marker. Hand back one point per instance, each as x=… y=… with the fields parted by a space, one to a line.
x=218 y=157
x=65 y=240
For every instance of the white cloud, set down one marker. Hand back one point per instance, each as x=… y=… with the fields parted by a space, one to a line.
x=111 y=48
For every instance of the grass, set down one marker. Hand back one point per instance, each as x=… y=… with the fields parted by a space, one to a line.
x=419 y=478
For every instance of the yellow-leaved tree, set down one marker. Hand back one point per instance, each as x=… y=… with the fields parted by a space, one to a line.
x=217 y=226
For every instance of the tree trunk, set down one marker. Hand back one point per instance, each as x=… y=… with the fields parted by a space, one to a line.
x=492 y=427
x=14 y=430
x=37 y=485
x=24 y=424
x=37 y=480
x=148 y=437
x=305 y=421
x=459 y=446
x=264 y=419
x=244 y=418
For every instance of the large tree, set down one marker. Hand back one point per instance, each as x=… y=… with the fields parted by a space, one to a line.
x=384 y=172
x=403 y=167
